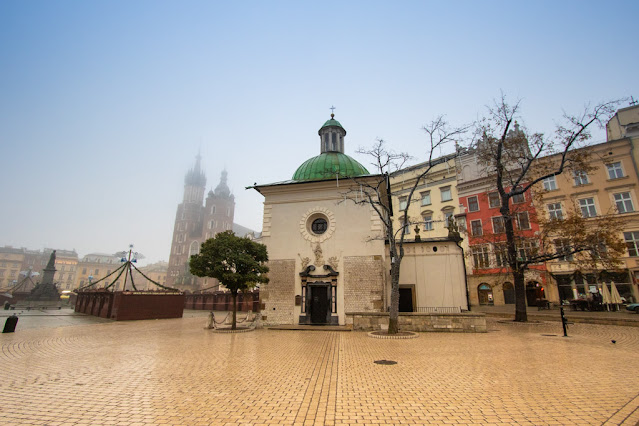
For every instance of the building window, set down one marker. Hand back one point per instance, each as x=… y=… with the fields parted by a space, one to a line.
x=212 y=209
x=597 y=251
x=518 y=198
x=446 y=194
x=587 y=206
x=480 y=257
x=563 y=247
x=403 y=203
x=527 y=250
x=97 y=272
x=84 y=270
x=632 y=242
x=475 y=228
x=407 y=226
x=614 y=170
x=580 y=177
x=319 y=226
x=522 y=220
x=228 y=211
x=212 y=224
x=428 y=221
x=550 y=184
x=473 y=205
x=448 y=217
x=426 y=198
x=501 y=255
x=194 y=248
x=624 y=202
x=555 y=211
x=493 y=200
x=498 y=225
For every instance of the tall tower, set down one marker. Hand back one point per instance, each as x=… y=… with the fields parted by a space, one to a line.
x=195 y=222
x=219 y=209
x=187 y=231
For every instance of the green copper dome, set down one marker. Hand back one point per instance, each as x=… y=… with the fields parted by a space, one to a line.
x=327 y=165
x=331 y=122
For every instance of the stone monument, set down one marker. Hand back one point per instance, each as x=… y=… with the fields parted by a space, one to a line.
x=46 y=290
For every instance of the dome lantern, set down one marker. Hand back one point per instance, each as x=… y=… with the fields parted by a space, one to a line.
x=332 y=162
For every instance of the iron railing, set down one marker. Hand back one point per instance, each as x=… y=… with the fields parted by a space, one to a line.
x=439 y=309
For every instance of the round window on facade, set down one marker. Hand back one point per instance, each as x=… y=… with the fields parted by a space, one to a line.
x=319 y=226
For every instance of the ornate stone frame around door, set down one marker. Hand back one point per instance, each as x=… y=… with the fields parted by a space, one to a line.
x=311 y=281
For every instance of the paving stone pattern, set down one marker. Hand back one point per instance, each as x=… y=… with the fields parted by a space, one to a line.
x=176 y=372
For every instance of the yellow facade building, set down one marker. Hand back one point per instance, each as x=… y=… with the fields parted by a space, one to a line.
x=611 y=188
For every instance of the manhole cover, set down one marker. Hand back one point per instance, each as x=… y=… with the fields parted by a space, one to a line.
x=549 y=335
x=385 y=362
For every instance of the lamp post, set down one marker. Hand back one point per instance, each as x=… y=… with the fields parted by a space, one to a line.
x=129 y=257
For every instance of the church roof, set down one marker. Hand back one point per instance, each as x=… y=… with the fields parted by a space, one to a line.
x=328 y=165
x=331 y=122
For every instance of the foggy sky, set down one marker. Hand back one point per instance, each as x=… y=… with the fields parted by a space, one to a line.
x=104 y=105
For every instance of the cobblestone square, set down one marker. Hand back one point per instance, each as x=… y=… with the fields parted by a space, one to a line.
x=176 y=372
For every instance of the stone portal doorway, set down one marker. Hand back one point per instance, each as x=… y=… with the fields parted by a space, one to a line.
x=319 y=303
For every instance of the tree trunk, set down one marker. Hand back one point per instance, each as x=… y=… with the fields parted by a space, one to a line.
x=234 y=325
x=393 y=315
x=520 y=297
x=513 y=261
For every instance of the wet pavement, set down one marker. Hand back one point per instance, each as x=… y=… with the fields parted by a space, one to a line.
x=176 y=372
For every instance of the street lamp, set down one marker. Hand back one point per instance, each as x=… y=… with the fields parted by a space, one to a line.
x=129 y=257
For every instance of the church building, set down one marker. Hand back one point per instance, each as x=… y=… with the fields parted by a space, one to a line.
x=328 y=257
x=197 y=220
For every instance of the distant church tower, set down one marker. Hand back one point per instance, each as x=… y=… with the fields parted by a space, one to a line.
x=195 y=222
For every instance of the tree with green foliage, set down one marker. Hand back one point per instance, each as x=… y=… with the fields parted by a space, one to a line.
x=238 y=263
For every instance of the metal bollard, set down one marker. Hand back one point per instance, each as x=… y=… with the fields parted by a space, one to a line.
x=10 y=324
x=564 y=321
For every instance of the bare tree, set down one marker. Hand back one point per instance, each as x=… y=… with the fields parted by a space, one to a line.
x=377 y=193
x=518 y=161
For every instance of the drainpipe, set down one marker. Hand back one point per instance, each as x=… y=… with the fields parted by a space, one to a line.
x=457 y=241
x=632 y=155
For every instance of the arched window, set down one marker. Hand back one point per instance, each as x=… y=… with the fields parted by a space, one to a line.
x=194 y=248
